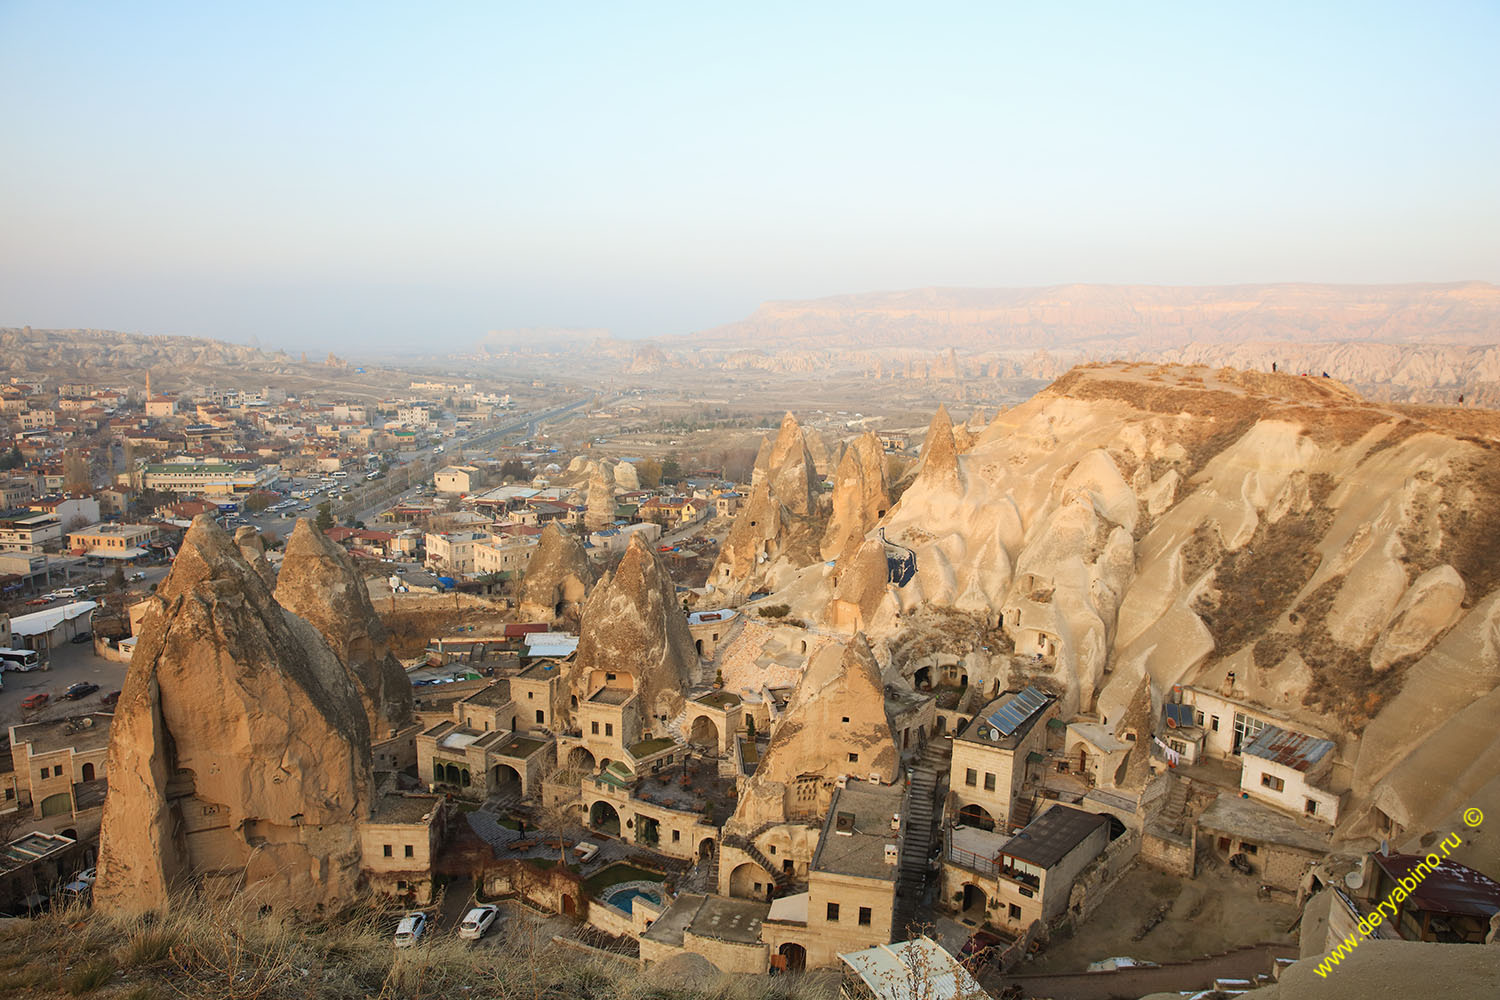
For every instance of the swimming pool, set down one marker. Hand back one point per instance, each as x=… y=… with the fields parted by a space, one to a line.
x=624 y=899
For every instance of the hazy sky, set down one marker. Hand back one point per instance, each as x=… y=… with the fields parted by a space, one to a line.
x=416 y=174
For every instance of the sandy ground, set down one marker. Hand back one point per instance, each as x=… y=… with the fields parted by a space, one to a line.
x=1212 y=913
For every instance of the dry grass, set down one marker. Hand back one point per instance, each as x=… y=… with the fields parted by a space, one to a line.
x=205 y=950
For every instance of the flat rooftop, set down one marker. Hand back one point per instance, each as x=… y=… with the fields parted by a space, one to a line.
x=82 y=733
x=394 y=807
x=1248 y=819
x=857 y=830
x=494 y=696
x=611 y=696
x=725 y=919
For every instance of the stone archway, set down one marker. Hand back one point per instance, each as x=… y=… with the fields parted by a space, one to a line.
x=749 y=881
x=699 y=644
x=942 y=725
x=88 y=772
x=581 y=759
x=794 y=956
x=503 y=778
x=604 y=818
x=975 y=903
x=704 y=733
x=706 y=848
x=972 y=815
x=57 y=805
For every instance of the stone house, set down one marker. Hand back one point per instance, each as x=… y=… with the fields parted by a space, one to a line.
x=399 y=843
x=58 y=771
x=851 y=884
x=1290 y=771
x=476 y=765
x=991 y=757
x=1277 y=848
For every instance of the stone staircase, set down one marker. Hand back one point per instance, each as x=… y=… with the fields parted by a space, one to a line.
x=1175 y=809
x=1021 y=814
x=746 y=843
x=918 y=824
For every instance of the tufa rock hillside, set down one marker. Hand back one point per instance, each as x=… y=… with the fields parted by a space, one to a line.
x=319 y=583
x=558 y=577
x=240 y=750
x=1271 y=536
x=634 y=629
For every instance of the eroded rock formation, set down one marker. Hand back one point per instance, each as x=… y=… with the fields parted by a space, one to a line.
x=777 y=528
x=319 y=583
x=240 y=751
x=860 y=497
x=835 y=724
x=253 y=548
x=634 y=627
x=558 y=577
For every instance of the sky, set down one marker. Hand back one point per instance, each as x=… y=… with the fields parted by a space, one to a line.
x=408 y=176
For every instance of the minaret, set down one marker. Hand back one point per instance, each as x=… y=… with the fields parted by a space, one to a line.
x=148 y=385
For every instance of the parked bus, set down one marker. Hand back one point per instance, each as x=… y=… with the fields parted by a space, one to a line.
x=19 y=659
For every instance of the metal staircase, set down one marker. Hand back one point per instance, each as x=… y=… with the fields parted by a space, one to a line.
x=918 y=823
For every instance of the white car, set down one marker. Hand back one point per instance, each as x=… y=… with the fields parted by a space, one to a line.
x=477 y=921
x=409 y=930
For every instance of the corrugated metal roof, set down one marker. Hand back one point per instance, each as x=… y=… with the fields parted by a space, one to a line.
x=1298 y=751
x=1448 y=888
x=888 y=970
x=1017 y=709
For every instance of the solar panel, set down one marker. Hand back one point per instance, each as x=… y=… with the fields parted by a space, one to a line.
x=1181 y=715
x=1020 y=707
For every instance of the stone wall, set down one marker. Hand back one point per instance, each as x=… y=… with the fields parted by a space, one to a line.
x=1093 y=884
x=553 y=890
x=1170 y=851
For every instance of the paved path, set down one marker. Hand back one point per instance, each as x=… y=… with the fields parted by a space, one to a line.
x=1244 y=963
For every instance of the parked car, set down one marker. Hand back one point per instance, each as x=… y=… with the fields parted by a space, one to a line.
x=110 y=699
x=80 y=690
x=136 y=577
x=409 y=930
x=32 y=702
x=81 y=638
x=38 y=602
x=477 y=921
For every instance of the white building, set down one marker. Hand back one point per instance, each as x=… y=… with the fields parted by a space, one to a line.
x=1287 y=770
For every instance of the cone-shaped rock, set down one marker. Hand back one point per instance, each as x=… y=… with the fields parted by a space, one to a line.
x=939 y=469
x=633 y=626
x=812 y=745
x=861 y=584
x=319 y=583
x=253 y=549
x=860 y=497
x=558 y=576
x=600 y=502
x=790 y=470
x=240 y=752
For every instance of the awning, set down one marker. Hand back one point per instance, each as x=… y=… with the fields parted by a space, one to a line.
x=130 y=553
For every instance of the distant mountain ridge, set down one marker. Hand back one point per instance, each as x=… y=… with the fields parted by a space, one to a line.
x=1122 y=317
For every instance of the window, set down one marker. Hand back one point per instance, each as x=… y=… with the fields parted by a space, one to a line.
x=594 y=728
x=1015 y=912
x=528 y=695
x=1249 y=848
x=401 y=885
x=854 y=758
x=1312 y=808
x=411 y=851
x=676 y=836
x=989 y=782
x=833 y=913
x=864 y=916
x=1215 y=724
x=10 y=793
x=846 y=718
x=786 y=865
x=609 y=729
x=971 y=777
x=757 y=887
x=387 y=850
x=541 y=716
x=45 y=772
x=1272 y=782
x=773 y=848
x=1199 y=716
